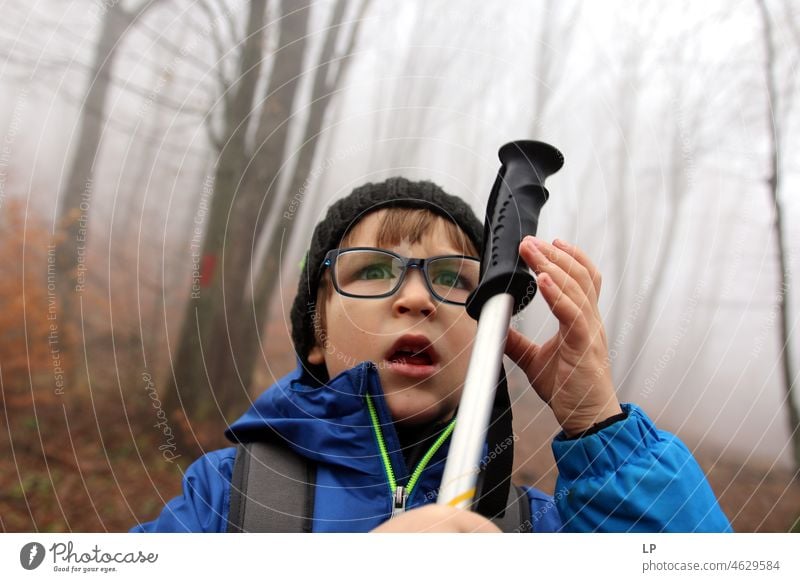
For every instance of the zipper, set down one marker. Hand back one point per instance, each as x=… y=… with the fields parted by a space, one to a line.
x=401 y=493
x=399 y=501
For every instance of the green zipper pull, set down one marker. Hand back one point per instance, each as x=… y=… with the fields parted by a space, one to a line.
x=401 y=493
x=400 y=497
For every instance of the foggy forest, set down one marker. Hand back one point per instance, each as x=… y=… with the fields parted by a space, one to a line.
x=163 y=164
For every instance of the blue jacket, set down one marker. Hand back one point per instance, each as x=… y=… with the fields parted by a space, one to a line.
x=626 y=477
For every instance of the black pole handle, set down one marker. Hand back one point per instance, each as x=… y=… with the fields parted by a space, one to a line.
x=512 y=213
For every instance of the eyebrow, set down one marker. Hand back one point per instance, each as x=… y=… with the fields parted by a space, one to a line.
x=452 y=252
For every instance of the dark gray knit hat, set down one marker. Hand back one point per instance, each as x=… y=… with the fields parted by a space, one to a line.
x=341 y=217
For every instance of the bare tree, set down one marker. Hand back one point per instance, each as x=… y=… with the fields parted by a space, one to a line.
x=628 y=98
x=773 y=181
x=683 y=118
x=230 y=362
x=189 y=386
x=686 y=116
x=219 y=343
x=128 y=287
x=265 y=278
x=78 y=188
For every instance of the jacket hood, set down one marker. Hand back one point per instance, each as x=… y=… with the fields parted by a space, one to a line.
x=328 y=424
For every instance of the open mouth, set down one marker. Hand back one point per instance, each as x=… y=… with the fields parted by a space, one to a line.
x=410 y=357
x=414 y=356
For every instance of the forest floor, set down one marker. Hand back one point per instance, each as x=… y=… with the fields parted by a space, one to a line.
x=92 y=463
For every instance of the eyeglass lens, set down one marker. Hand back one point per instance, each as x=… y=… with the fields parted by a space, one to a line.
x=366 y=273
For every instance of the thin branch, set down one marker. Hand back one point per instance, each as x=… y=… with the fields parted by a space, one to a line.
x=790 y=20
x=351 y=42
x=160 y=36
x=216 y=39
x=68 y=36
x=128 y=130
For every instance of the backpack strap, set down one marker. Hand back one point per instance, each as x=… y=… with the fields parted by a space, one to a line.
x=517 y=516
x=272 y=490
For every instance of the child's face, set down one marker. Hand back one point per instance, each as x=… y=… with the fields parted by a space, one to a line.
x=358 y=329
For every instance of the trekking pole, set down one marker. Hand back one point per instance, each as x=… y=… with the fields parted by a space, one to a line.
x=506 y=287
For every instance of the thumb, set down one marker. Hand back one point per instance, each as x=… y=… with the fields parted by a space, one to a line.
x=520 y=349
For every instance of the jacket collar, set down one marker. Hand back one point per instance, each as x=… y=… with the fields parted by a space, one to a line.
x=327 y=424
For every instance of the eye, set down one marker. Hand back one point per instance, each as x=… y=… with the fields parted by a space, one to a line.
x=375 y=271
x=450 y=279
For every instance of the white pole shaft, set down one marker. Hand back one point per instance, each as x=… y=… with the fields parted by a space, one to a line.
x=474 y=411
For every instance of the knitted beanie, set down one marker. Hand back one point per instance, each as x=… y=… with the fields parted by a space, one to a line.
x=341 y=217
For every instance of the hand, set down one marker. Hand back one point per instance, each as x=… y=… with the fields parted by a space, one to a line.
x=434 y=518
x=570 y=371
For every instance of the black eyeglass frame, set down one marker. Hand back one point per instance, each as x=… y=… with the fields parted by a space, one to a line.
x=406 y=262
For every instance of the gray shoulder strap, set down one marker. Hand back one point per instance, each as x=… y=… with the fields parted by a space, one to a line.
x=517 y=518
x=272 y=490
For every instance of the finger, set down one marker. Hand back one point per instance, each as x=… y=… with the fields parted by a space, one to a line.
x=574 y=326
x=569 y=264
x=524 y=353
x=580 y=256
x=540 y=263
x=520 y=349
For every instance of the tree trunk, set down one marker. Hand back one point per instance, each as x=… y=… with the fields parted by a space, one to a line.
x=251 y=208
x=642 y=330
x=773 y=184
x=267 y=276
x=77 y=192
x=190 y=387
x=621 y=193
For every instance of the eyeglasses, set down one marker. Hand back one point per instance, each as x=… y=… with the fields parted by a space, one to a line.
x=371 y=273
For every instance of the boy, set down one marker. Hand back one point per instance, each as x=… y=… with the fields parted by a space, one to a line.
x=383 y=346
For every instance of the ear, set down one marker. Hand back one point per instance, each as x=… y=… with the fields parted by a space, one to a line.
x=316 y=355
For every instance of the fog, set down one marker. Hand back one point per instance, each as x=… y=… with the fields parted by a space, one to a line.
x=664 y=115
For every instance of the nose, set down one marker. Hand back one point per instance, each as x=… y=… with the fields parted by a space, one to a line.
x=414 y=296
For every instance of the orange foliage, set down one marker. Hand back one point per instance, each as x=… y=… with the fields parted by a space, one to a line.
x=29 y=347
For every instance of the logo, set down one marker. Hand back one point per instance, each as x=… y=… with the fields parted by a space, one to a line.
x=31 y=555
